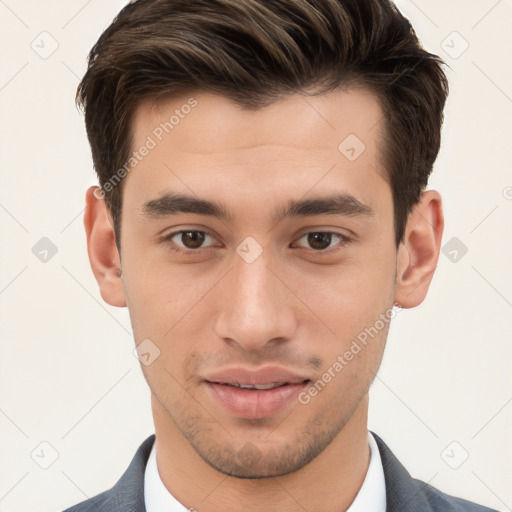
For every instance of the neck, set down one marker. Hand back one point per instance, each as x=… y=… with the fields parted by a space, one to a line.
x=330 y=482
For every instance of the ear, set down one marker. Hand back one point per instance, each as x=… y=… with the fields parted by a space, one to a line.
x=101 y=247
x=418 y=253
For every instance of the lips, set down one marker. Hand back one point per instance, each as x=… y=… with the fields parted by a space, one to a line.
x=272 y=385
x=255 y=393
x=256 y=376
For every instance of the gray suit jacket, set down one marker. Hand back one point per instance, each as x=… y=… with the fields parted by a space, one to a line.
x=403 y=493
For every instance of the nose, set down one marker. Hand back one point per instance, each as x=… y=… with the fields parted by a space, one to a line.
x=257 y=309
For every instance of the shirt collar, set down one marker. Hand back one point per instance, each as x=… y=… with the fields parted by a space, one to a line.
x=371 y=495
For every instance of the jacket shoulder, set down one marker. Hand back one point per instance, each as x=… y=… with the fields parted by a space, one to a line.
x=99 y=503
x=440 y=501
x=405 y=493
x=127 y=495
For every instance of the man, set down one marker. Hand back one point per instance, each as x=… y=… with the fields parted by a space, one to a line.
x=263 y=207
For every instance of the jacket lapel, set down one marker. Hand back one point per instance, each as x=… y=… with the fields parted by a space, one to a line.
x=403 y=493
x=127 y=495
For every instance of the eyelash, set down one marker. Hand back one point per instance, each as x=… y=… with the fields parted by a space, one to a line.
x=344 y=240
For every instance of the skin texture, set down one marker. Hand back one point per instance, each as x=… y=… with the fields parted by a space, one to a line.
x=293 y=306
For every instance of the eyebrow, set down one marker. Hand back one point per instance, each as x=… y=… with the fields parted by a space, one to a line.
x=337 y=204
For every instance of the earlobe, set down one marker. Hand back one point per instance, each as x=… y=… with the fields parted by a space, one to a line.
x=102 y=249
x=419 y=251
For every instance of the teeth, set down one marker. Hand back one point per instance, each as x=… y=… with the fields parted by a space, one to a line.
x=261 y=386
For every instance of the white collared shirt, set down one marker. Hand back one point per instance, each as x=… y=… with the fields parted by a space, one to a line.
x=370 y=498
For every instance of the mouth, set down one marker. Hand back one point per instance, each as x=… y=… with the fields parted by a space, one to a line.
x=271 y=385
x=253 y=394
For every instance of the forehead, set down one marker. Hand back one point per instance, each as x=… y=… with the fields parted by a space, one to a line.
x=215 y=122
x=204 y=144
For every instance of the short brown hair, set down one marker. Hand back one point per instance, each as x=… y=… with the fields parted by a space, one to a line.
x=255 y=51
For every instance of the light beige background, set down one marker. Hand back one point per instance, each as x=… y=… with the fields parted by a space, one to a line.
x=68 y=374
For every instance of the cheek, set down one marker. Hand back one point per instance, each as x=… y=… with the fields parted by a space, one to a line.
x=174 y=313
x=350 y=297
x=356 y=305
x=159 y=294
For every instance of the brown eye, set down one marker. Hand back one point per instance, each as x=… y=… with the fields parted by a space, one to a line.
x=322 y=240
x=191 y=240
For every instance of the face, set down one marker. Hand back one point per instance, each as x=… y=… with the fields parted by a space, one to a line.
x=250 y=298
